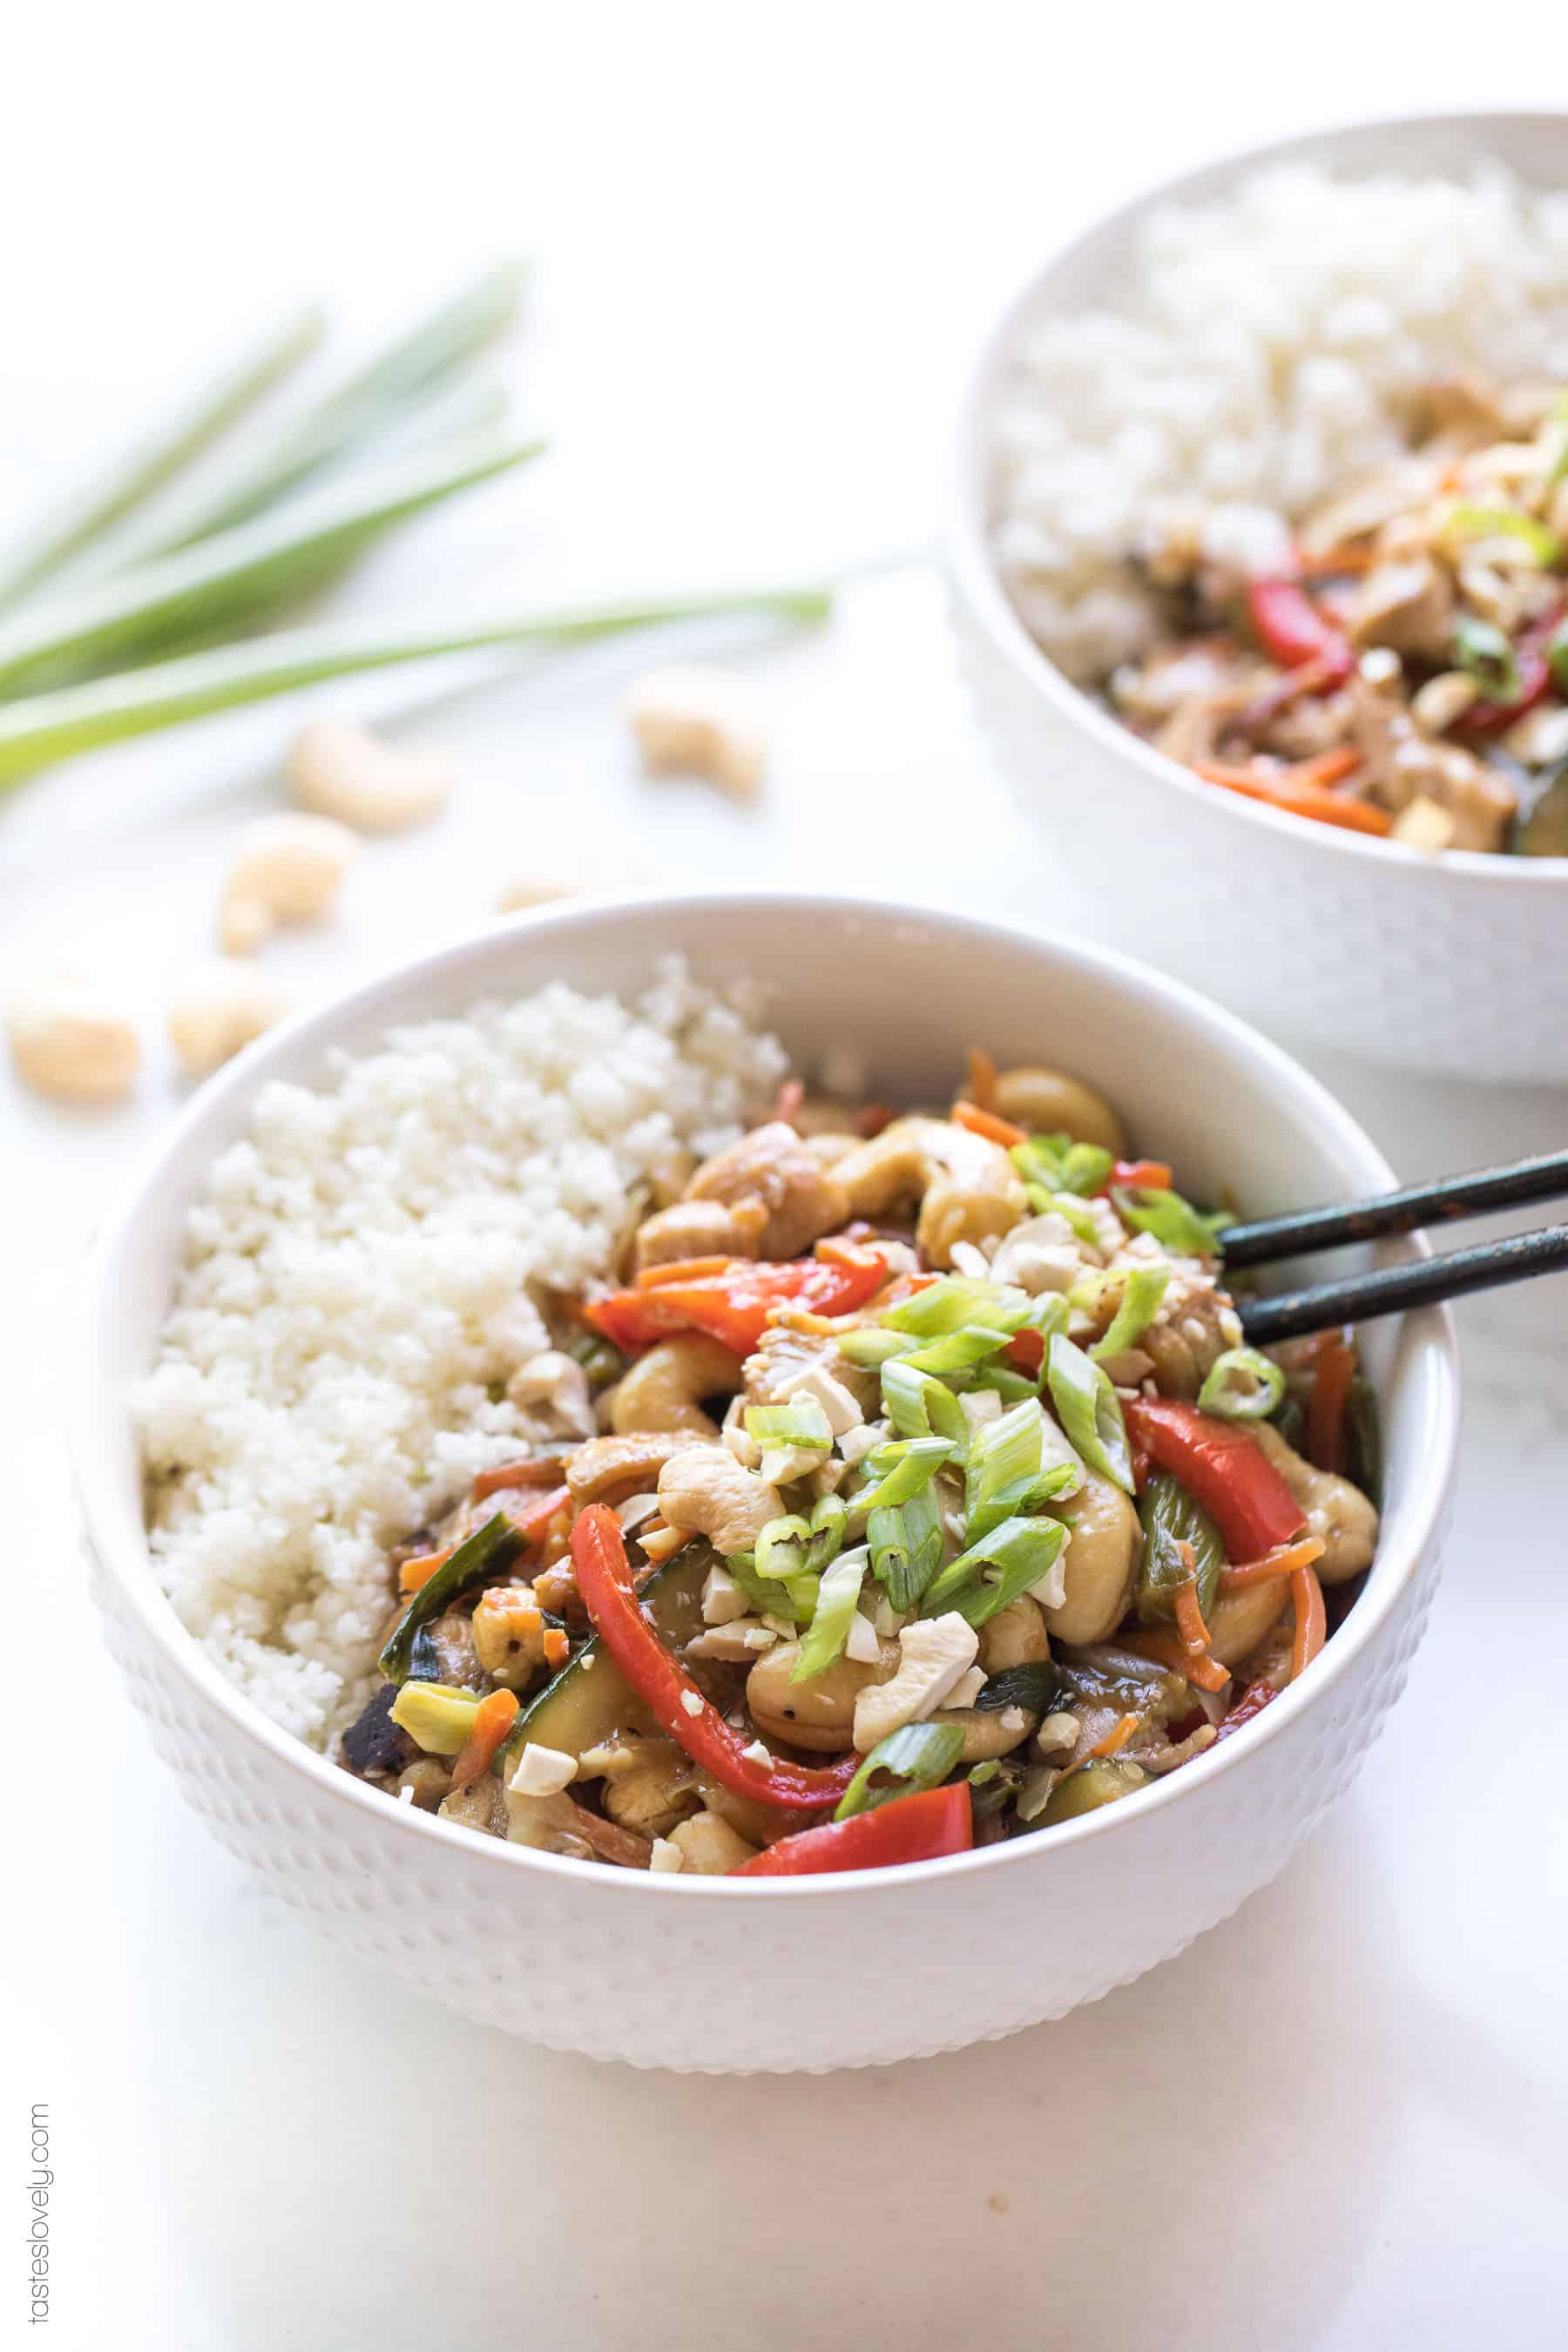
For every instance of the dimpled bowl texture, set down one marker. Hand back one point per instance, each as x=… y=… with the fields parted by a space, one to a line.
x=708 y=1973
x=1451 y=965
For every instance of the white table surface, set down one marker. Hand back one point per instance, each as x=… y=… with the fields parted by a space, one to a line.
x=1339 y=2119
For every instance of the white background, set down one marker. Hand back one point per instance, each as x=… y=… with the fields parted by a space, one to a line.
x=765 y=239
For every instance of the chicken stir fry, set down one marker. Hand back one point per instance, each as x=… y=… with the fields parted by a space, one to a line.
x=1409 y=677
x=934 y=1500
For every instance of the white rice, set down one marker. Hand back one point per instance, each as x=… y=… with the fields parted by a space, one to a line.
x=354 y=1281
x=1261 y=348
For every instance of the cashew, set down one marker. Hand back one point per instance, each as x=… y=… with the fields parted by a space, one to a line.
x=70 y=1038
x=705 y=1489
x=700 y=1229
x=1099 y=1562
x=532 y=890
x=608 y=1469
x=698 y=722
x=934 y=1655
x=555 y=1385
x=220 y=1005
x=1015 y=1636
x=818 y=1713
x=1237 y=1621
x=663 y=1389
x=1048 y=1102
x=659 y=1789
x=345 y=771
x=289 y=869
x=478 y=1805
x=992 y=1731
x=1338 y=1513
x=804 y=1198
x=968 y=1189
x=709 y=1846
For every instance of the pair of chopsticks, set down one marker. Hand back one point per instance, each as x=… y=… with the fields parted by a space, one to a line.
x=1426 y=1282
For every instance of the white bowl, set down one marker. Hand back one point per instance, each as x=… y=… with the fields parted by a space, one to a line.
x=1454 y=964
x=805 y=1974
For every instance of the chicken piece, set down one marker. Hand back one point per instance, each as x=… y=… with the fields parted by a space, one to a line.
x=1407 y=605
x=1196 y=1325
x=1365 y=505
x=700 y=1229
x=1193 y=730
x=802 y=1196
x=1469 y=405
x=786 y=1363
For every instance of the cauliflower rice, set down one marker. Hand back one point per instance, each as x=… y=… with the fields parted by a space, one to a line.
x=354 y=1291
x=1263 y=348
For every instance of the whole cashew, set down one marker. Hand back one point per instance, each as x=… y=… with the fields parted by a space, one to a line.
x=289 y=869
x=1048 y=1102
x=1237 y=1621
x=345 y=771
x=818 y=1713
x=664 y=1389
x=703 y=1487
x=968 y=1189
x=1340 y=1515
x=1099 y=1562
x=1015 y=1636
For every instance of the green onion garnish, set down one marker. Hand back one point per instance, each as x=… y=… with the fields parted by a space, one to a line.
x=1242 y=1385
x=919 y=1756
x=1089 y=1411
x=1003 y=1468
x=955 y=1301
x=1064 y=1204
x=1507 y=522
x=800 y=1423
x=829 y=1526
x=1146 y=1286
x=1022 y=1552
x=1057 y=1164
x=899 y=1470
x=1484 y=654
x=1557 y=655
x=831 y=1619
x=796 y=1600
x=1174 y=1223
x=919 y=1405
x=867 y=1348
x=955 y=1351
x=906 y=1546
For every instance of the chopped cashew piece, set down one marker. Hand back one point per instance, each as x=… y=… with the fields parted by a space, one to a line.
x=289 y=869
x=219 y=1005
x=966 y=1689
x=699 y=722
x=554 y=1384
x=541 y=1771
x=70 y=1038
x=736 y=1644
x=342 y=770
x=861 y=1643
x=723 y=1598
x=666 y=1855
x=708 y=1846
x=934 y=1655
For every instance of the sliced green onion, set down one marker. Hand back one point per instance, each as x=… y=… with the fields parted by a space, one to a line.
x=1180 y=1541
x=58 y=546
x=1146 y=1286
x=956 y=1300
x=1022 y=1552
x=1557 y=655
x=900 y=1470
x=868 y=1348
x=1047 y=1314
x=1063 y=1204
x=48 y=727
x=980 y=1774
x=955 y=1351
x=829 y=1525
x=1507 y=522
x=437 y=1716
x=1174 y=1223
x=919 y=1756
x=919 y=1405
x=781 y=1547
x=802 y=1421
x=1057 y=1164
x=834 y=1611
x=481 y=1557
x=227 y=577
x=1089 y=1411
x=1010 y=1386
x=1004 y=1464
x=1484 y=654
x=796 y=1600
x=906 y=1546
x=1242 y=1385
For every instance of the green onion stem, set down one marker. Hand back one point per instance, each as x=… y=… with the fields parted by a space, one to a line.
x=257 y=561
x=157 y=458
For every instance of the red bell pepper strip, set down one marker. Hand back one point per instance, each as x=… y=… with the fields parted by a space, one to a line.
x=1252 y=1700
x=1222 y=1468
x=909 y=1828
x=697 y=1727
x=1152 y=1175
x=733 y=1306
x=1485 y=718
x=1291 y=630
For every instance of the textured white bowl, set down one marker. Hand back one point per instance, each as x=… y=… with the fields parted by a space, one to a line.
x=1453 y=965
x=714 y=1975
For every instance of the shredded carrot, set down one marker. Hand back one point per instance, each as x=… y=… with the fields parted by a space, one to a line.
x=418 y=1571
x=681 y=1269
x=1116 y=1739
x=792 y=1094
x=1195 y=1634
x=1331 y=1380
x=1299 y=795
x=493 y=1718
x=1166 y=1650
x=540 y=1470
x=1336 y=558
x=1282 y=1561
x=1311 y=1620
x=557 y=1647
x=1328 y=768
x=981 y=1079
x=986 y=1123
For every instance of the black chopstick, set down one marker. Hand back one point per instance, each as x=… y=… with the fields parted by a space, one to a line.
x=1518 y=1186
x=1424 y=1282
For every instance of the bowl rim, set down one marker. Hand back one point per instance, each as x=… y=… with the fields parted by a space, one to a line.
x=965 y=534
x=92 y=1443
